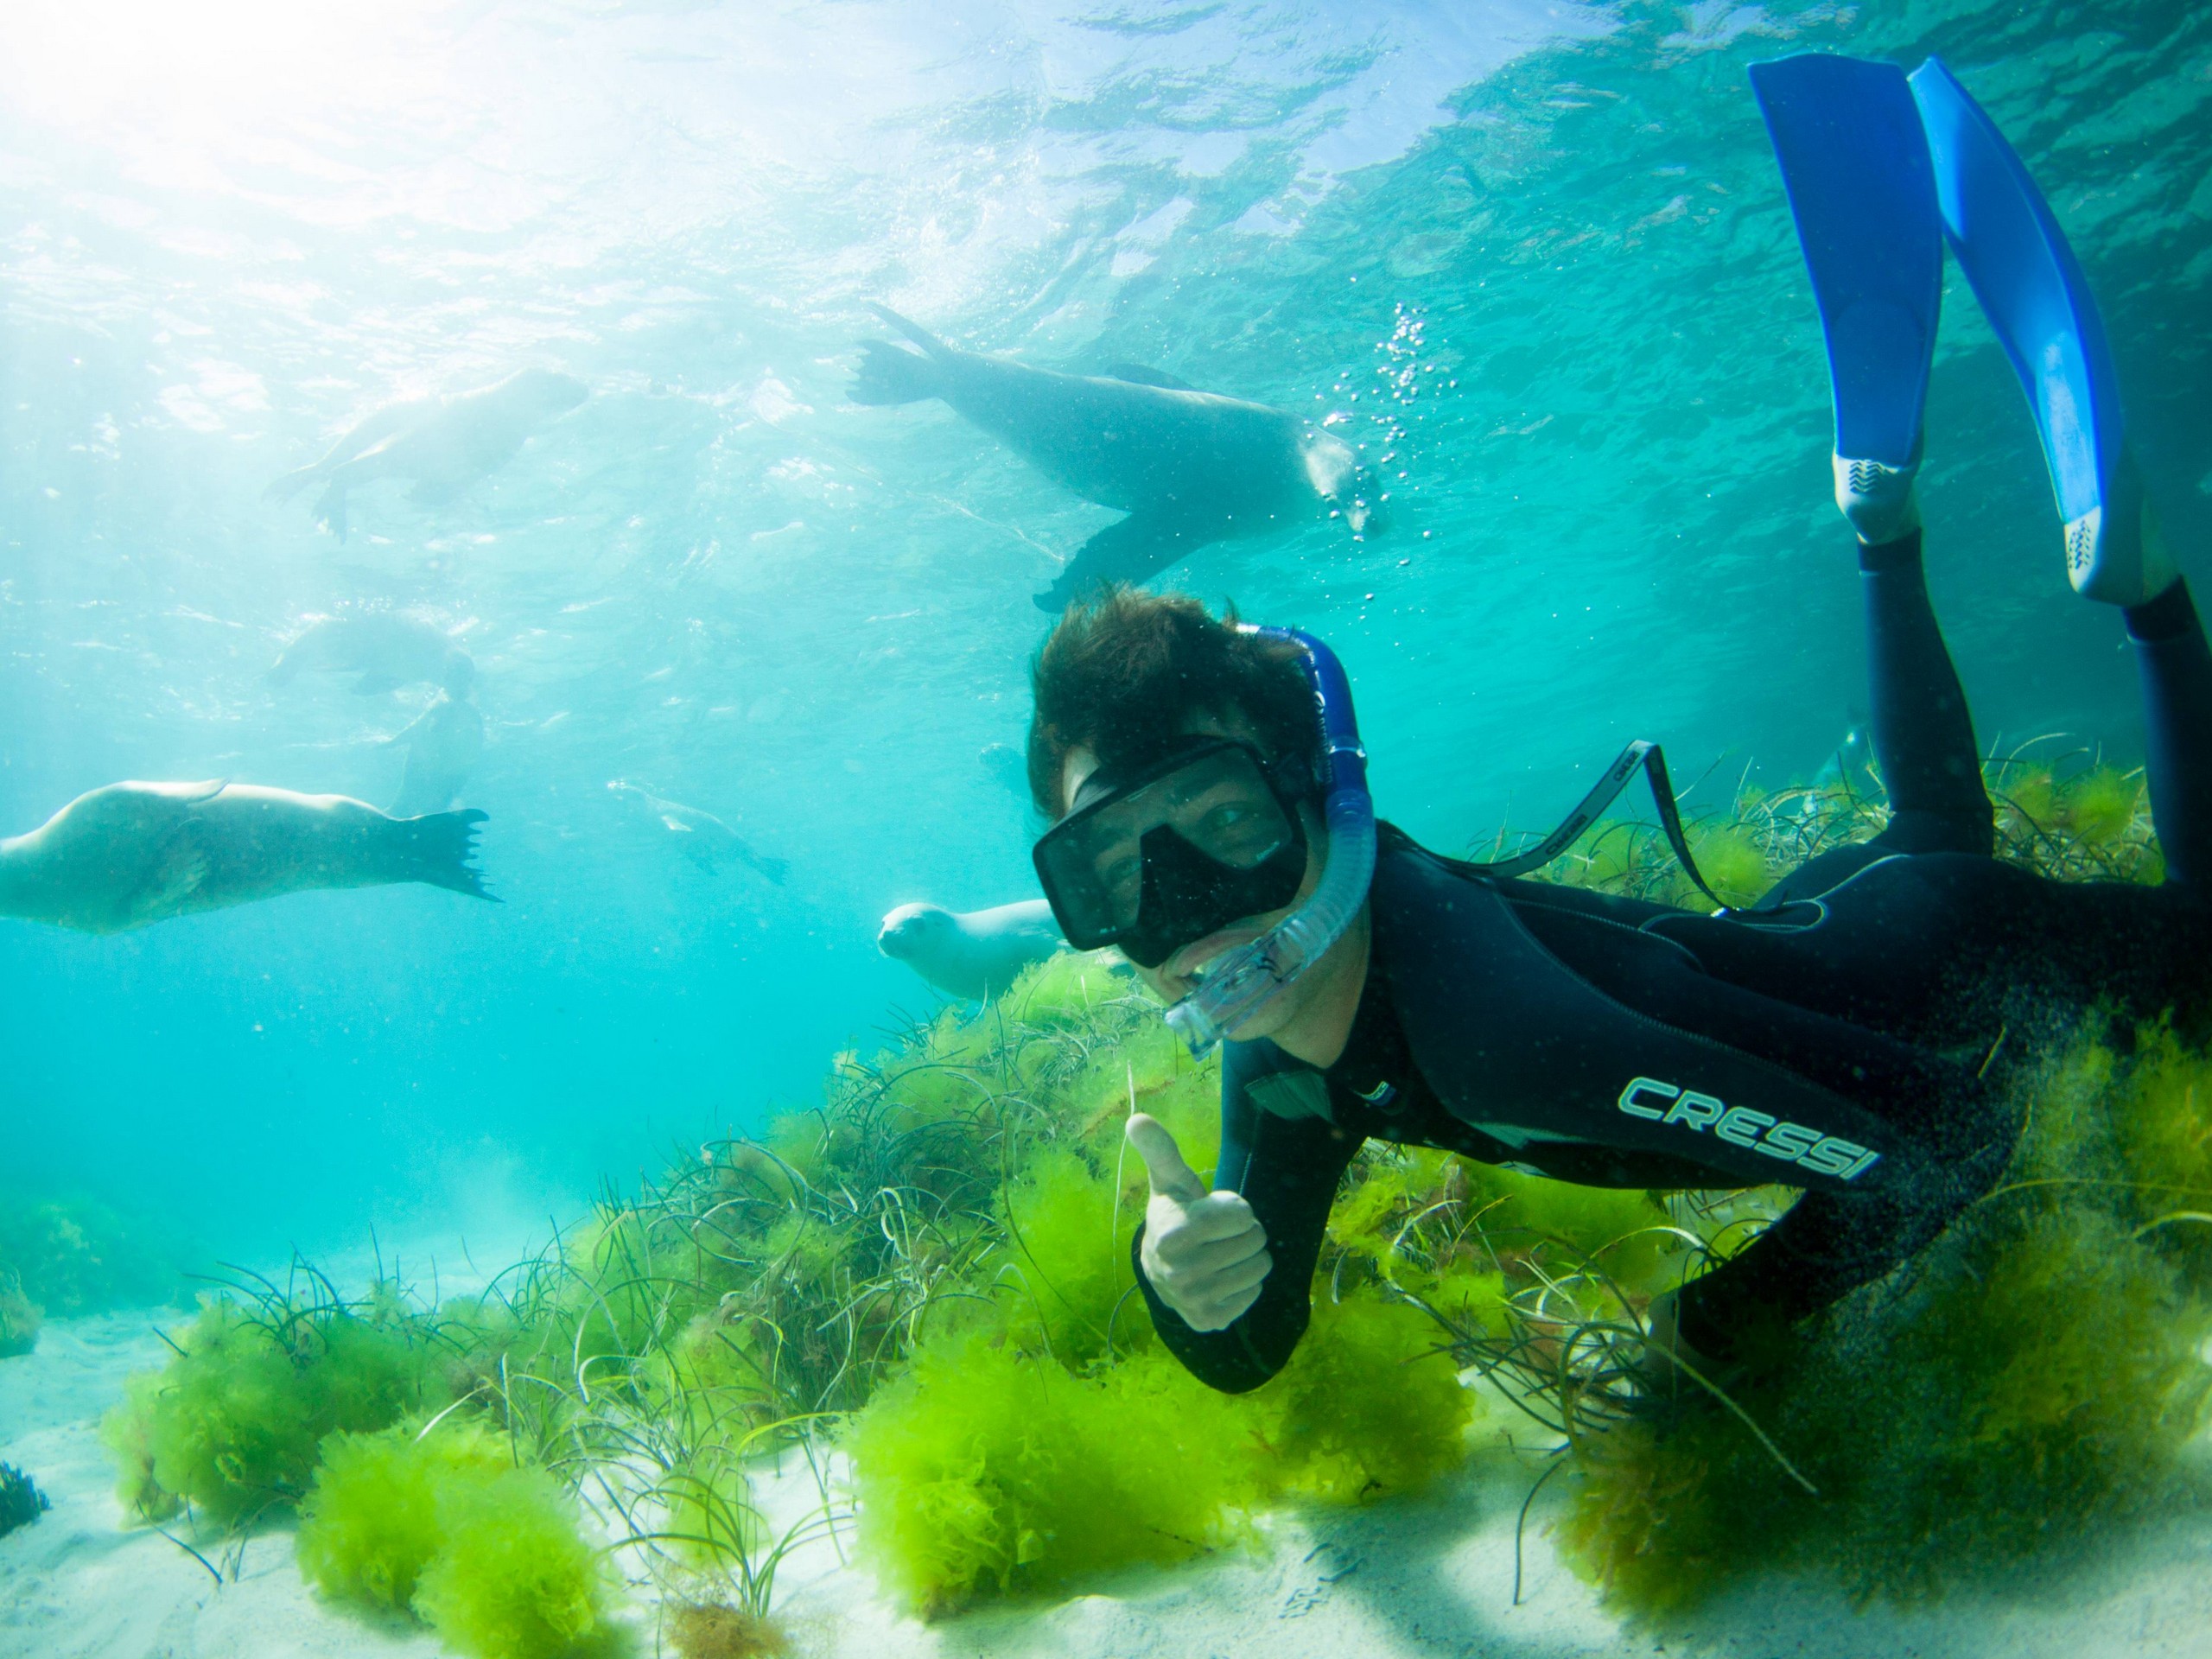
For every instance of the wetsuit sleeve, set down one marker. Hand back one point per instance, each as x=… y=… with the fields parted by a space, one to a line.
x=1288 y=1169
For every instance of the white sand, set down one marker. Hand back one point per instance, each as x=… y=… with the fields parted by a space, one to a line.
x=1430 y=1577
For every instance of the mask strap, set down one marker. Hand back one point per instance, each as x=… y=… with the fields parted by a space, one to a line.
x=1642 y=755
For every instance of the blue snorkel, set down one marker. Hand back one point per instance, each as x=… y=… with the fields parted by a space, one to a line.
x=1247 y=978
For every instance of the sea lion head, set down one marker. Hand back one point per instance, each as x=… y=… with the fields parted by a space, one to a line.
x=915 y=931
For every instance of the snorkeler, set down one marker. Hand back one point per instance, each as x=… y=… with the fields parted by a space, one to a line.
x=1852 y=1034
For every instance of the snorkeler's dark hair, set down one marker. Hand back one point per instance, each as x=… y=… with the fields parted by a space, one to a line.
x=1123 y=674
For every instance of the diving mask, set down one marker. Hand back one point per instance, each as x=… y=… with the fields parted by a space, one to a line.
x=1204 y=837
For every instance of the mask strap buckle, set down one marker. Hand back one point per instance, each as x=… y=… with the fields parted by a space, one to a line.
x=1642 y=756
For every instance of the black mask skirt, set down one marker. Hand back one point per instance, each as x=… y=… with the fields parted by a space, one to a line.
x=1189 y=894
x=1201 y=839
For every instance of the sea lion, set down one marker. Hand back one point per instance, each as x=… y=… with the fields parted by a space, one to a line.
x=443 y=743
x=442 y=445
x=132 y=854
x=970 y=955
x=703 y=838
x=387 y=649
x=1188 y=467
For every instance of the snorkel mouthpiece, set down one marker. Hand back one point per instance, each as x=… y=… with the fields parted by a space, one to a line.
x=1241 y=982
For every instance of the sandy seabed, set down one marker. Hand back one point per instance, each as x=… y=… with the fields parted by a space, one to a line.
x=1427 y=1577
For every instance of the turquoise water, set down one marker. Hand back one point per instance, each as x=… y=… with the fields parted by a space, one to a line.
x=1544 y=244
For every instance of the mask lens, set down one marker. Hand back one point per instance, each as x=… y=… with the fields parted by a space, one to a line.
x=1106 y=865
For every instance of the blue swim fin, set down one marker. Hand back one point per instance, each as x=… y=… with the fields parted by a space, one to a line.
x=1861 y=189
x=2030 y=284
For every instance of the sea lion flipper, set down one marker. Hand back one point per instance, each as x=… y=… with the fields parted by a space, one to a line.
x=330 y=510
x=178 y=869
x=1132 y=550
x=891 y=374
x=1138 y=375
x=436 y=849
x=768 y=865
x=284 y=488
x=914 y=331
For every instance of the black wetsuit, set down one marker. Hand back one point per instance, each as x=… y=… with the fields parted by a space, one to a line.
x=1850 y=1035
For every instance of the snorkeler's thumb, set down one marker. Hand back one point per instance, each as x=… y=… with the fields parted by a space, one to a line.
x=1163 y=1160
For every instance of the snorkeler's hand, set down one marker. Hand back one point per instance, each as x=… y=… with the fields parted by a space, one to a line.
x=1205 y=1253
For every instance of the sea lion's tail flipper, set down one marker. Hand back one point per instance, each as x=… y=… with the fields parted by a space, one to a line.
x=772 y=869
x=284 y=488
x=438 y=849
x=330 y=510
x=936 y=349
x=889 y=374
x=1132 y=550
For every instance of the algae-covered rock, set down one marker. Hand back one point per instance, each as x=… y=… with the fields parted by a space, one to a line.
x=72 y=1253
x=21 y=1501
x=20 y=1318
x=715 y=1630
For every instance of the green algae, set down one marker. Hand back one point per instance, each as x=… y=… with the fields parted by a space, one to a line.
x=232 y=1426
x=20 y=1318
x=71 y=1253
x=448 y=1524
x=2033 y=1376
x=2065 y=815
x=371 y=1522
x=985 y=1468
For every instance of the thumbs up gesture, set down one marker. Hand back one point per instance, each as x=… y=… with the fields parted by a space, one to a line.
x=1204 y=1254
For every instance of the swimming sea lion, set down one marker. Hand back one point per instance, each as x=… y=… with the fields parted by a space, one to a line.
x=444 y=745
x=704 y=838
x=441 y=444
x=387 y=650
x=133 y=854
x=972 y=955
x=1188 y=467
